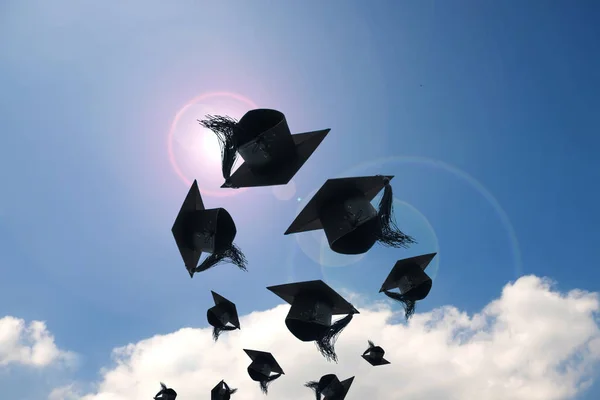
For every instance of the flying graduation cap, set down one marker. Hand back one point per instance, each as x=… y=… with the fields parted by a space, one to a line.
x=374 y=355
x=342 y=208
x=221 y=392
x=222 y=316
x=313 y=303
x=409 y=276
x=198 y=230
x=272 y=155
x=329 y=387
x=165 y=393
x=262 y=366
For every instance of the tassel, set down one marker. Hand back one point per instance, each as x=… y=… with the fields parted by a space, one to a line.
x=218 y=330
x=314 y=386
x=390 y=235
x=232 y=254
x=371 y=345
x=232 y=391
x=264 y=385
x=408 y=304
x=326 y=343
x=225 y=128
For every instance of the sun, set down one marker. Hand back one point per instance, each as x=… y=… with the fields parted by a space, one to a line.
x=194 y=151
x=209 y=147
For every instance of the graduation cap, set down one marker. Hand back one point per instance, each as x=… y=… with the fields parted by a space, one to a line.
x=272 y=155
x=342 y=208
x=165 y=393
x=374 y=355
x=263 y=364
x=221 y=314
x=309 y=319
x=329 y=387
x=409 y=276
x=198 y=230
x=221 y=392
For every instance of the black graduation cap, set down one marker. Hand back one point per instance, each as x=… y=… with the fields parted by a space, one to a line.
x=374 y=355
x=309 y=319
x=221 y=314
x=342 y=208
x=262 y=366
x=329 y=387
x=221 y=392
x=165 y=393
x=272 y=155
x=197 y=229
x=409 y=276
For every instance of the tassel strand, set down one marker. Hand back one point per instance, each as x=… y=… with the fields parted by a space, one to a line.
x=327 y=342
x=408 y=304
x=390 y=235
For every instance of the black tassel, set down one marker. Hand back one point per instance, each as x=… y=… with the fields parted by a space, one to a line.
x=225 y=128
x=371 y=345
x=390 y=235
x=314 y=386
x=408 y=304
x=327 y=342
x=232 y=254
x=218 y=330
x=264 y=385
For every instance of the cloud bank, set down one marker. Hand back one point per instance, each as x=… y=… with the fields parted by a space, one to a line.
x=532 y=343
x=29 y=344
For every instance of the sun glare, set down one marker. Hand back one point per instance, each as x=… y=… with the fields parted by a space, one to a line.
x=194 y=151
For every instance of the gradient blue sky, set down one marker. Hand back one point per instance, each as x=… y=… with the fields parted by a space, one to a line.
x=510 y=96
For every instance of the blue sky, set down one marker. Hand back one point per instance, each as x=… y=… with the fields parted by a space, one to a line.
x=440 y=94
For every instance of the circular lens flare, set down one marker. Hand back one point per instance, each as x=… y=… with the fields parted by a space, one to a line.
x=194 y=151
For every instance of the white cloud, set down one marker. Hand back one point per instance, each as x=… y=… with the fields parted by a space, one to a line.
x=533 y=343
x=31 y=345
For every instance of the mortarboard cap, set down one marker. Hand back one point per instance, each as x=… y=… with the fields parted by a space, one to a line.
x=374 y=355
x=313 y=303
x=272 y=155
x=165 y=393
x=198 y=230
x=221 y=392
x=221 y=314
x=262 y=366
x=342 y=208
x=409 y=276
x=329 y=387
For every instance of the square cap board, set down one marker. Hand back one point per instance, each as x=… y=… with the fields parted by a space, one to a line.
x=218 y=299
x=192 y=202
x=422 y=261
x=308 y=219
x=306 y=143
x=289 y=291
x=254 y=354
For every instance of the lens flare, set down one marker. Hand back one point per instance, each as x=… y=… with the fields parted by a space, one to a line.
x=194 y=151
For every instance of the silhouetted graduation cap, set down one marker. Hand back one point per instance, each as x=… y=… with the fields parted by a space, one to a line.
x=221 y=392
x=197 y=229
x=262 y=137
x=409 y=276
x=263 y=364
x=329 y=387
x=165 y=393
x=342 y=208
x=374 y=355
x=221 y=314
x=309 y=319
